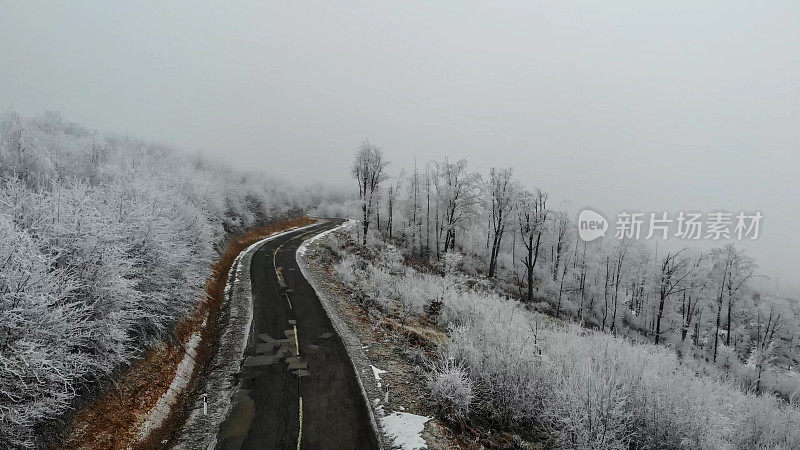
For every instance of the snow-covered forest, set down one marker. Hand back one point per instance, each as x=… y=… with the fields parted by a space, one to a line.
x=598 y=344
x=105 y=241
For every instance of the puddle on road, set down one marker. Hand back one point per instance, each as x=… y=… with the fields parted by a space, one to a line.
x=236 y=426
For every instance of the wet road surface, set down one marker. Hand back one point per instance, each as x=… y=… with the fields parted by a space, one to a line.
x=300 y=388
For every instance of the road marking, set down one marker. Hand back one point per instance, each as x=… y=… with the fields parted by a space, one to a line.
x=300 y=432
x=279 y=275
x=296 y=344
x=274 y=255
x=294 y=328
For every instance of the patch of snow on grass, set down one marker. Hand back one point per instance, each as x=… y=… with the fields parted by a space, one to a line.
x=378 y=407
x=377 y=372
x=405 y=429
x=304 y=247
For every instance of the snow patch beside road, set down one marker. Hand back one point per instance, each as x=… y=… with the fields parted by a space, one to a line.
x=405 y=429
x=301 y=251
x=377 y=372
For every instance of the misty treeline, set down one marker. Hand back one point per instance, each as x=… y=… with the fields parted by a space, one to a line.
x=507 y=368
x=701 y=303
x=104 y=243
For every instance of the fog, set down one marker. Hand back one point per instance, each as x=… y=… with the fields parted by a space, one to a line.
x=621 y=105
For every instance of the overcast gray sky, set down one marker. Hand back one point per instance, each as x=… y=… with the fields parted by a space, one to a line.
x=686 y=105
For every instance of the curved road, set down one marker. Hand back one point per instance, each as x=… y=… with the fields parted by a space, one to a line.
x=300 y=388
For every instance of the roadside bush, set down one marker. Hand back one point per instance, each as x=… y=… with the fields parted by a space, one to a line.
x=451 y=389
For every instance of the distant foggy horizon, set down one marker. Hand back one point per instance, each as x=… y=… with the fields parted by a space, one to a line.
x=620 y=106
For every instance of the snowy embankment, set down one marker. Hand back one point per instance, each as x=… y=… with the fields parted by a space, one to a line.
x=541 y=381
x=200 y=429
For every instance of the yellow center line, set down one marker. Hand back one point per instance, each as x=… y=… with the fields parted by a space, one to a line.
x=275 y=266
x=296 y=343
x=300 y=432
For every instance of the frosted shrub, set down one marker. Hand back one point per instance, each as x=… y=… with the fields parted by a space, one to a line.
x=346 y=269
x=450 y=388
x=592 y=390
x=451 y=261
x=391 y=258
x=501 y=354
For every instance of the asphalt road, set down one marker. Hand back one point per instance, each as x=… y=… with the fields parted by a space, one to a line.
x=300 y=388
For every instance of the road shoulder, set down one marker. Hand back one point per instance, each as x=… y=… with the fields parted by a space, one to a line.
x=371 y=351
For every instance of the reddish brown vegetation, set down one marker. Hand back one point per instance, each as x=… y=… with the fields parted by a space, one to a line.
x=112 y=420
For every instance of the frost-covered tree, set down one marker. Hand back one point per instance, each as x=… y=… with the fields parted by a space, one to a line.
x=501 y=190
x=532 y=213
x=368 y=171
x=105 y=243
x=458 y=192
x=732 y=270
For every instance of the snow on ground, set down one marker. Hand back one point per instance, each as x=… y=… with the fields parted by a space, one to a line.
x=405 y=429
x=377 y=372
x=302 y=249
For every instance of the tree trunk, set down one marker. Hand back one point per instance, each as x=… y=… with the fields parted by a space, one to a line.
x=391 y=204
x=730 y=307
x=560 y=291
x=661 y=299
x=686 y=318
x=716 y=332
x=605 y=298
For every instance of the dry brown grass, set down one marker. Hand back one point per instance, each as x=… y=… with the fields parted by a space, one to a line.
x=112 y=420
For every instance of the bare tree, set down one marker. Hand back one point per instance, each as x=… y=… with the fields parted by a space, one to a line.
x=675 y=271
x=622 y=250
x=458 y=190
x=690 y=305
x=561 y=229
x=531 y=216
x=501 y=192
x=368 y=170
x=765 y=335
x=734 y=269
x=428 y=211
x=392 y=197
